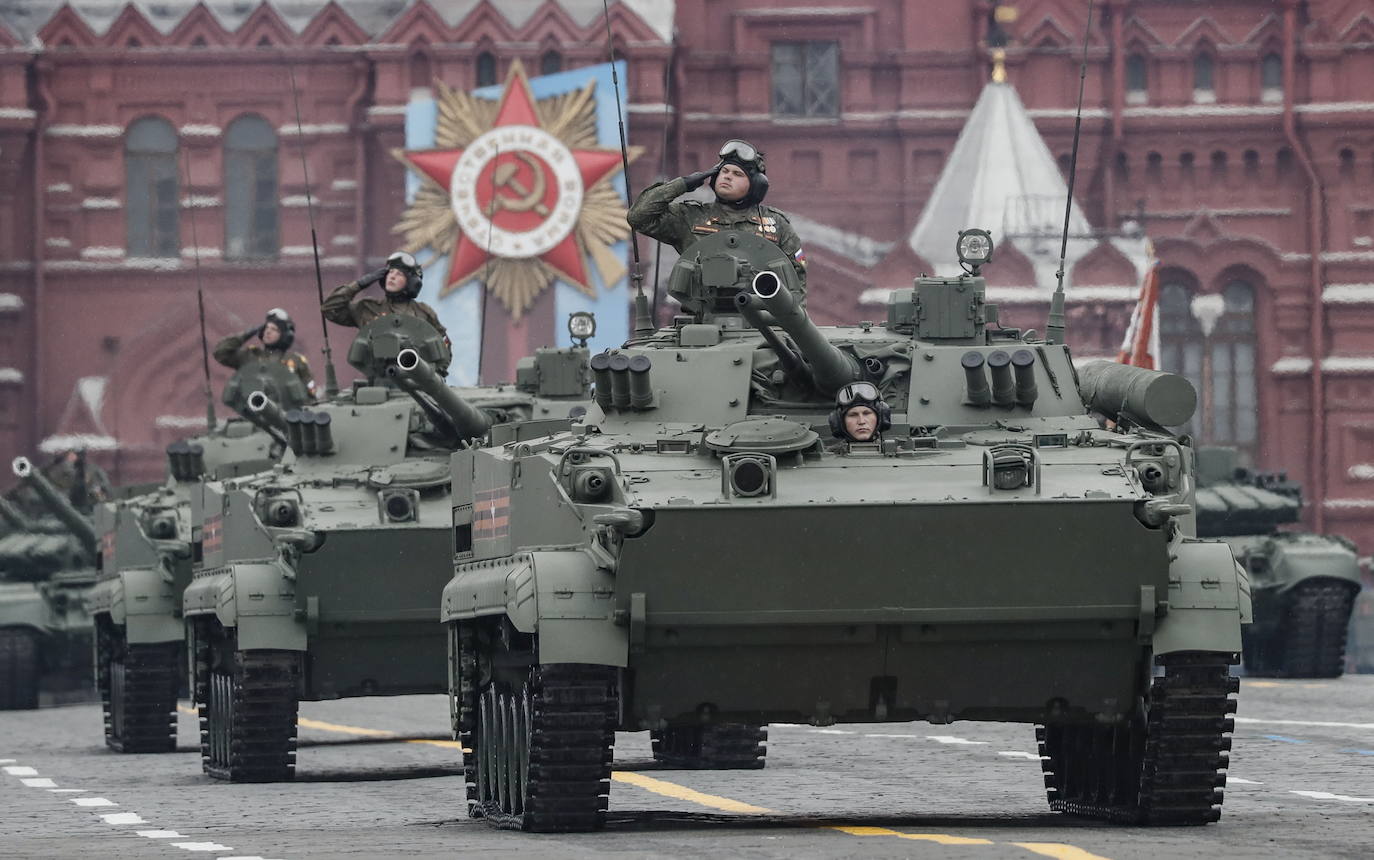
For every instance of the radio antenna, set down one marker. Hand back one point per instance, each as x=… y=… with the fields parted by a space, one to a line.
x=210 y=421
x=644 y=323
x=331 y=382
x=662 y=170
x=1054 y=327
x=486 y=276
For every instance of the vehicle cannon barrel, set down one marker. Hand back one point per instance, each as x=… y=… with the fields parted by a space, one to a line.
x=751 y=308
x=59 y=504
x=1149 y=397
x=264 y=411
x=15 y=517
x=468 y=421
x=831 y=367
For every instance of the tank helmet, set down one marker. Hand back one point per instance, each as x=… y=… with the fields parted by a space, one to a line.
x=748 y=158
x=282 y=320
x=859 y=394
x=406 y=263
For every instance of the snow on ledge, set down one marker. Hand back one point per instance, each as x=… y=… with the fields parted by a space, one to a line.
x=77 y=442
x=180 y=422
x=1348 y=364
x=1348 y=504
x=11 y=376
x=1291 y=366
x=313 y=128
x=1348 y=294
x=10 y=303
x=1361 y=472
x=75 y=130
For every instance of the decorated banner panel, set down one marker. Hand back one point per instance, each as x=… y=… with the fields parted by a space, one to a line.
x=516 y=207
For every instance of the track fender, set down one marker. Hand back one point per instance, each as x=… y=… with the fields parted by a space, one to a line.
x=560 y=594
x=22 y=605
x=140 y=600
x=257 y=599
x=1208 y=601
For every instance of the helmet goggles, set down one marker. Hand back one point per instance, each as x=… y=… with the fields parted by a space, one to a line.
x=740 y=150
x=402 y=260
x=857 y=394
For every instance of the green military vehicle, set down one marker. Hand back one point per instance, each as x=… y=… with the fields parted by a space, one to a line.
x=321 y=578
x=699 y=562
x=147 y=544
x=1304 y=584
x=46 y=572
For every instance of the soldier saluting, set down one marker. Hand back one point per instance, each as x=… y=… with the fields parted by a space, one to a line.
x=277 y=333
x=401 y=277
x=740 y=183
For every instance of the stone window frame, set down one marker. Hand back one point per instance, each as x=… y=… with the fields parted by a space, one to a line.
x=152 y=188
x=254 y=201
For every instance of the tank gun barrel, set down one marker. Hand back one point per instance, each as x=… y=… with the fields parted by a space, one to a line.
x=60 y=505
x=1148 y=397
x=830 y=367
x=264 y=411
x=15 y=517
x=751 y=308
x=468 y=421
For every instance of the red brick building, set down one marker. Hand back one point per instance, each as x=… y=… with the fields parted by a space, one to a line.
x=1237 y=134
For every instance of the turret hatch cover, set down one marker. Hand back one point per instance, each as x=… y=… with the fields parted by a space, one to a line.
x=416 y=474
x=762 y=435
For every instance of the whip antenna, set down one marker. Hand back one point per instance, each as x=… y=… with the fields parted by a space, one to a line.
x=331 y=382
x=210 y=421
x=644 y=324
x=486 y=276
x=1054 y=327
x=662 y=171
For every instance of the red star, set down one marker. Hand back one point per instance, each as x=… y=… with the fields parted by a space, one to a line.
x=517 y=108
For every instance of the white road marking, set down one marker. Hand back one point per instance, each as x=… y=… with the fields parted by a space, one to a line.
x=39 y=782
x=1019 y=754
x=159 y=834
x=875 y=735
x=1235 y=780
x=67 y=790
x=831 y=732
x=123 y=818
x=1315 y=723
x=951 y=739
x=6 y=761
x=202 y=846
x=20 y=770
x=93 y=801
x=1326 y=795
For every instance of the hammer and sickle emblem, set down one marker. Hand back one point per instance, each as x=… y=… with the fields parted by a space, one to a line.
x=505 y=177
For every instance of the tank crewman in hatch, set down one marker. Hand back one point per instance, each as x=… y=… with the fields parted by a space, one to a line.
x=277 y=333
x=740 y=184
x=860 y=414
x=402 y=278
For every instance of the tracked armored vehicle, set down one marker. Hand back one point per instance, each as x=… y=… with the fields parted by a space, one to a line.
x=147 y=546
x=46 y=572
x=1304 y=584
x=321 y=578
x=700 y=562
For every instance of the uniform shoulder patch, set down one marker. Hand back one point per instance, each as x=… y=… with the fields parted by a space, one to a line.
x=779 y=214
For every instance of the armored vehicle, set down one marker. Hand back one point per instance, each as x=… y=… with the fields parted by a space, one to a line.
x=1304 y=584
x=321 y=577
x=700 y=562
x=46 y=572
x=147 y=543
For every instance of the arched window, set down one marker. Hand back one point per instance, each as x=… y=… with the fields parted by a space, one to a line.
x=150 y=189
x=551 y=63
x=1271 y=78
x=1220 y=364
x=486 y=69
x=1203 y=73
x=250 y=190
x=1137 y=79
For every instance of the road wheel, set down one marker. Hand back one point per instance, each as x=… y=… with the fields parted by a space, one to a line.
x=541 y=742
x=716 y=746
x=20 y=667
x=248 y=714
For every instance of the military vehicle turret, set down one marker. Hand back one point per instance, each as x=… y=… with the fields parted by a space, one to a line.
x=147 y=546
x=1304 y=584
x=321 y=577
x=699 y=562
x=46 y=572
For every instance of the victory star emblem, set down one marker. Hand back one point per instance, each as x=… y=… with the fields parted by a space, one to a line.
x=517 y=192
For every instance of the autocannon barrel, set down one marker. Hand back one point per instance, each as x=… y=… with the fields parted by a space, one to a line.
x=751 y=308
x=468 y=421
x=264 y=412
x=15 y=517
x=1139 y=395
x=831 y=367
x=59 y=504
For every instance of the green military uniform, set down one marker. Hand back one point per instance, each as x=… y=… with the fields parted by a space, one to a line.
x=682 y=223
x=340 y=308
x=233 y=352
x=63 y=475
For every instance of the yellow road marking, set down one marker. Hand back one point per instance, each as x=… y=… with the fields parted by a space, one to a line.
x=1055 y=849
x=726 y=804
x=941 y=838
x=672 y=789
